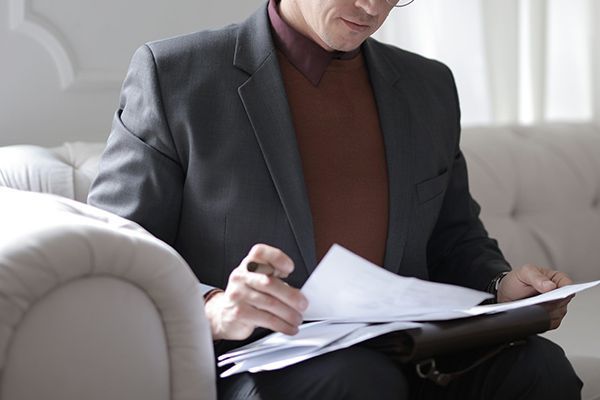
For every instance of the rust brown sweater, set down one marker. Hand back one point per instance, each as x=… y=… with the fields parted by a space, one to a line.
x=343 y=157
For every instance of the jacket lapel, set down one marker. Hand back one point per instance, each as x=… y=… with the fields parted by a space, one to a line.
x=266 y=105
x=405 y=109
x=393 y=103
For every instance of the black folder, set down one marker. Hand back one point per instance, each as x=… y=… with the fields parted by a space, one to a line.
x=476 y=338
x=439 y=338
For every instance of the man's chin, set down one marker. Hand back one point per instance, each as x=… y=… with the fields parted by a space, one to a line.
x=345 y=44
x=346 y=47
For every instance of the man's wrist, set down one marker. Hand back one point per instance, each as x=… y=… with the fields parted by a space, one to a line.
x=212 y=312
x=495 y=284
x=210 y=294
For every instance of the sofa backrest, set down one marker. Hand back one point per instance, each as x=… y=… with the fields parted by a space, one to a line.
x=539 y=188
x=67 y=170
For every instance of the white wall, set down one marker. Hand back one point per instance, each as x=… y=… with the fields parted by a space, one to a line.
x=62 y=62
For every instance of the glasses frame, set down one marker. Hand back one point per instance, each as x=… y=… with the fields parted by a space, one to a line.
x=391 y=2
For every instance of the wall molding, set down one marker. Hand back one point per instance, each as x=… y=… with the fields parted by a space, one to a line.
x=23 y=20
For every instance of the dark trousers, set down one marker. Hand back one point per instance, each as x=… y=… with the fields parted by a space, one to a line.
x=537 y=370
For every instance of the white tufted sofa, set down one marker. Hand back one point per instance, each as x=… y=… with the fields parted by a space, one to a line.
x=91 y=305
x=539 y=188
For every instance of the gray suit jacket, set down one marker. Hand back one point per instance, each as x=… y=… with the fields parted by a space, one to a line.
x=203 y=154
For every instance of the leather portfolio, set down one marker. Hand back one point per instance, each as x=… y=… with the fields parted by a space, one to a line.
x=455 y=336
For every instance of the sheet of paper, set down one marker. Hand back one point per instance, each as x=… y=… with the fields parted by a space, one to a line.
x=313 y=336
x=293 y=355
x=346 y=286
x=555 y=294
x=272 y=340
x=419 y=317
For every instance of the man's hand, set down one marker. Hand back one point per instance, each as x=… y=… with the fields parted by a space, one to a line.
x=530 y=280
x=254 y=300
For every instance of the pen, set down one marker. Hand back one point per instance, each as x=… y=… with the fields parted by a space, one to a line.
x=260 y=268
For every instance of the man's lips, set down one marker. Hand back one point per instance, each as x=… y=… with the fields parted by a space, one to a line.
x=356 y=26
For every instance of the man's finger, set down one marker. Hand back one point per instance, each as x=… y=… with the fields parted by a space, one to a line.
x=557 y=310
x=535 y=277
x=264 y=319
x=561 y=279
x=565 y=302
x=275 y=306
x=277 y=288
x=558 y=317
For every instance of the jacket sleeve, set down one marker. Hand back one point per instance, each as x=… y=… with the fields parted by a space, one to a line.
x=459 y=250
x=140 y=176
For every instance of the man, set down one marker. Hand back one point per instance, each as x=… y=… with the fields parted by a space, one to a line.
x=270 y=140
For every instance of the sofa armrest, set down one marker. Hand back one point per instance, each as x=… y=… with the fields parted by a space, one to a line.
x=92 y=306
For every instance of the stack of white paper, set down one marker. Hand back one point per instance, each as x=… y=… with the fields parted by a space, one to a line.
x=313 y=339
x=354 y=300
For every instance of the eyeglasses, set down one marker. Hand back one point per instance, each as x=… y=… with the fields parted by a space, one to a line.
x=397 y=3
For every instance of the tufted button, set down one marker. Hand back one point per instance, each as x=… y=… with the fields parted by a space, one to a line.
x=514 y=213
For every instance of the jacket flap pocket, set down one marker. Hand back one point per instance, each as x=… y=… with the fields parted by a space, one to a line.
x=431 y=188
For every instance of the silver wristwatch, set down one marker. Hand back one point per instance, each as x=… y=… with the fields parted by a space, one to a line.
x=495 y=284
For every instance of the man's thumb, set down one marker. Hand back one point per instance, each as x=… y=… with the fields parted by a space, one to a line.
x=541 y=283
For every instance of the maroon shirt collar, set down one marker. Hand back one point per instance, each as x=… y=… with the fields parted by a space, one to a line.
x=308 y=57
